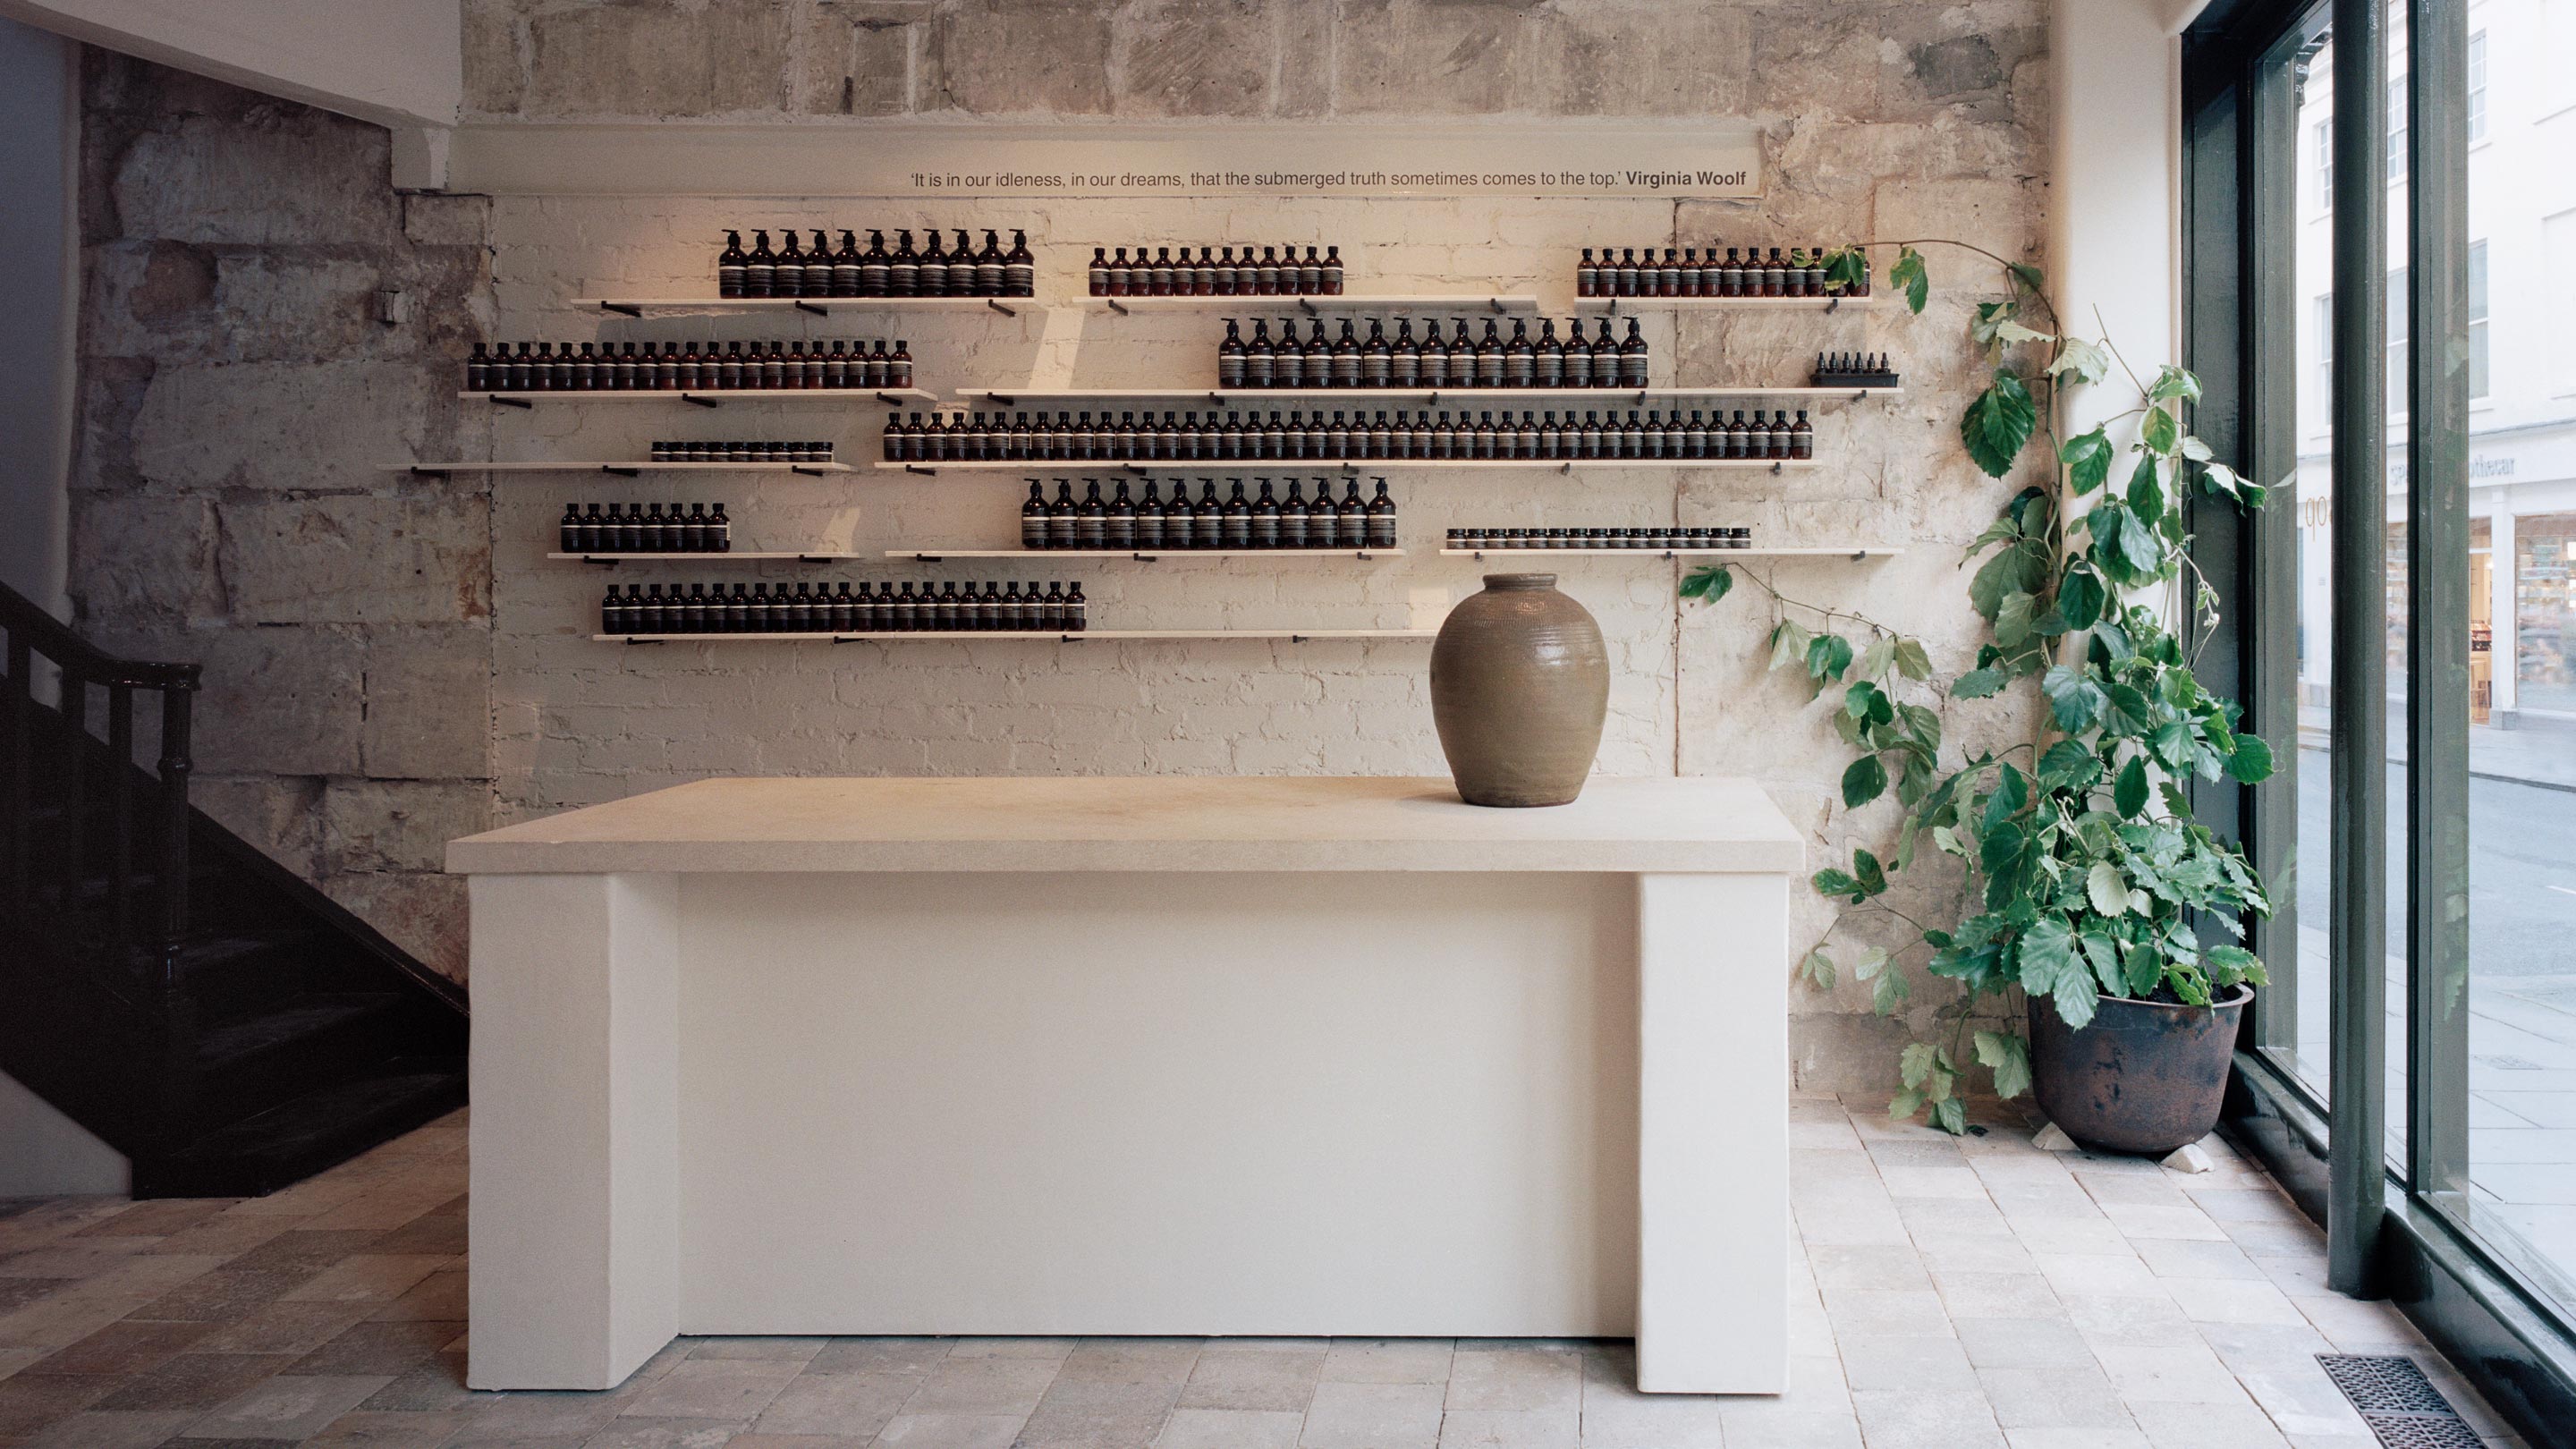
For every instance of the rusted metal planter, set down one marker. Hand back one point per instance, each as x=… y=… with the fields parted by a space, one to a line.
x=2142 y=1076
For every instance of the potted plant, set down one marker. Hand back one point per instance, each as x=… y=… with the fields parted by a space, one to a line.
x=2088 y=888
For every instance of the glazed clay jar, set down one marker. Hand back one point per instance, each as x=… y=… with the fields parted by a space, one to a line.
x=1520 y=683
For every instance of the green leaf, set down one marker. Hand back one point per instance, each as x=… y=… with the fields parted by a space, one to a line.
x=1911 y=661
x=1818 y=970
x=1709 y=584
x=1865 y=781
x=2073 y=697
x=1905 y=1104
x=2028 y=275
x=1978 y=684
x=2144 y=969
x=2129 y=793
x=2172 y=383
x=1867 y=702
x=2172 y=743
x=1788 y=643
x=2011 y=796
x=2147 y=490
x=1908 y=273
x=1846 y=269
x=2068 y=764
x=1833 y=882
x=1916 y=1062
x=1999 y=422
x=2107 y=889
x=2160 y=431
x=2007 y=1054
x=2194 y=449
x=2088 y=361
x=1873 y=878
x=2252 y=762
x=1828 y=655
x=2087 y=457
x=2080 y=597
x=2009 y=333
x=2047 y=956
x=2013 y=619
x=1875 y=659
x=1951 y=1116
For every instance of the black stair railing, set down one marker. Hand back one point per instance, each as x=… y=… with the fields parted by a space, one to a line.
x=97 y=849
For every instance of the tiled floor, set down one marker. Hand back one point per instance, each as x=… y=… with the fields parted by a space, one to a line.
x=1951 y=1295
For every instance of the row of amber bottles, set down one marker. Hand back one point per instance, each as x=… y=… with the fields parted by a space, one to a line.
x=1216 y=273
x=821 y=609
x=686 y=366
x=1690 y=272
x=642 y=528
x=1265 y=522
x=934 y=271
x=957 y=437
x=1402 y=361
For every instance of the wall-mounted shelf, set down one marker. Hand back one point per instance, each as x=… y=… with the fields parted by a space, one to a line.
x=732 y=556
x=1347 y=465
x=1140 y=555
x=622 y=470
x=815 y=306
x=1249 y=303
x=1293 y=636
x=896 y=396
x=1013 y=397
x=1852 y=551
x=1617 y=305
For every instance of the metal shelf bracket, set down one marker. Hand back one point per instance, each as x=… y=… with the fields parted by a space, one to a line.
x=622 y=309
x=1117 y=306
x=924 y=472
x=704 y=402
x=499 y=401
x=998 y=307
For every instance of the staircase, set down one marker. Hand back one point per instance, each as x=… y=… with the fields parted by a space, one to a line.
x=197 y=1006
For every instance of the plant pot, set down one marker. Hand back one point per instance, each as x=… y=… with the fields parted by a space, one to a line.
x=2142 y=1076
x=1520 y=682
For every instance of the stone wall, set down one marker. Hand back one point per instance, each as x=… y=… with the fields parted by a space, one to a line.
x=1883 y=119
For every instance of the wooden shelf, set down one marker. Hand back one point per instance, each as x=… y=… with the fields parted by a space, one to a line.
x=1013 y=397
x=897 y=396
x=733 y=556
x=1250 y=303
x=1277 y=466
x=1296 y=636
x=622 y=470
x=1140 y=555
x=1804 y=553
x=1617 y=305
x=815 y=306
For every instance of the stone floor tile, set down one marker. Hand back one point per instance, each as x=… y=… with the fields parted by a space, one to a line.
x=112 y=1429
x=2059 y=1398
x=390 y=1349
x=1956 y=1180
x=2101 y=1275
x=984 y=1387
x=2352 y=1324
x=2071 y=1235
x=282 y=1327
x=2245 y=1204
x=521 y=1418
x=2301 y=1399
x=2301 y=1239
x=367 y=1278
x=1953 y=1217
x=2126 y=1436
x=432 y=1234
x=2233 y=1300
x=226 y=1235
x=2044 y=1201
x=1868 y=1265
x=2143 y=1220
x=195 y=1381
x=287 y=1406
x=441 y=1295
x=14 y=1359
x=1850 y=1223
x=2107 y=1322
x=367 y=1429
x=1835 y=1135
x=642 y=1431
x=29 y=1401
x=950 y=1431
x=1871 y=1364
x=1921 y=1419
x=225 y=1295
x=305 y=1248
x=1515 y=1380
x=719 y=1388
x=1388 y=1361
x=125 y=1347
x=842 y=1405
x=1051 y=1349
x=434 y=1387
x=156 y=1219
x=1996 y=1295
x=2149 y=1374
x=2017 y=1343
x=917 y=1356
x=2129 y=1187
x=1947 y=1252
x=795 y=1441
x=1253 y=1380
x=1881 y=1313
x=2218 y=1426
x=1630 y=1420
x=1792 y=1431
x=799 y=1351
x=1190 y=1428
x=1511 y=1429
x=2194 y=1258
x=2301 y=1277
x=1372 y=1416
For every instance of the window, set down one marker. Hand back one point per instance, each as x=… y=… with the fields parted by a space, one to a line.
x=2397 y=310
x=2324 y=134
x=2477 y=319
x=2556 y=281
x=2397 y=130
x=2477 y=87
x=2321 y=347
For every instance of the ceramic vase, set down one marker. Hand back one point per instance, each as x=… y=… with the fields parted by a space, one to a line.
x=1520 y=683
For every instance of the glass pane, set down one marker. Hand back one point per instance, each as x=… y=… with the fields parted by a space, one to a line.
x=2395 y=591
x=2305 y=893
x=2521 y=1196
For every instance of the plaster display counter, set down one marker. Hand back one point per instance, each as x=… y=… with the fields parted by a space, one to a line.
x=1132 y=1056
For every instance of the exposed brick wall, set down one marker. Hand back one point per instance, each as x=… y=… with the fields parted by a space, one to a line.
x=1885 y=118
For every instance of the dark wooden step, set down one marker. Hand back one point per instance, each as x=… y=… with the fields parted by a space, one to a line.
x=310 y=1132
x=254 y=1062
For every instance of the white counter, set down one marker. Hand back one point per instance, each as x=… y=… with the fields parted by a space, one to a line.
x=1151 y=1056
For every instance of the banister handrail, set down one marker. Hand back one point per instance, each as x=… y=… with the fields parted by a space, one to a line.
x=54 y=639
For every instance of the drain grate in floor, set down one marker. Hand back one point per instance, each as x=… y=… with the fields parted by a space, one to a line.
x=2400 y=1405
